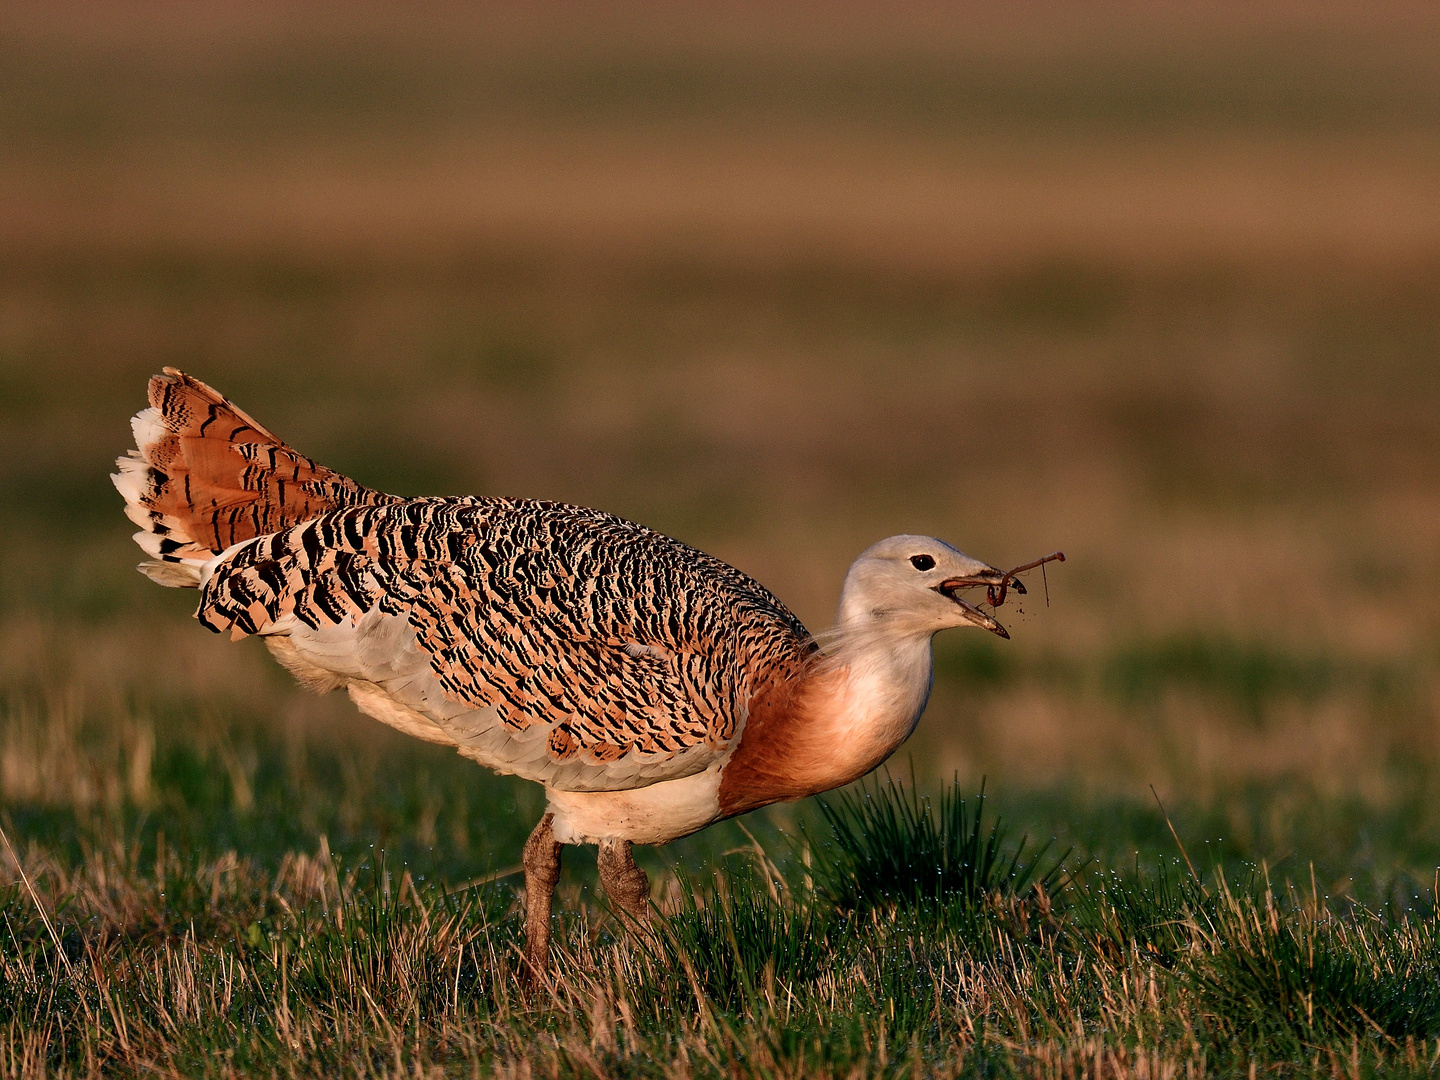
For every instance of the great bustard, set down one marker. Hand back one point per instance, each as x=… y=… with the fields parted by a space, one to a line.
x=651 y=688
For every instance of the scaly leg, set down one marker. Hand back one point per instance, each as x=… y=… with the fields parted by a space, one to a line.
x=625 y=883
x=541 y=860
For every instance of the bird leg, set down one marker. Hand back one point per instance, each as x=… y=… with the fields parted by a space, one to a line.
x=625 y=883
x=541 y=859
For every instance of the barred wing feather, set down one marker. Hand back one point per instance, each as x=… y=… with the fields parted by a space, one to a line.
x=615 y=644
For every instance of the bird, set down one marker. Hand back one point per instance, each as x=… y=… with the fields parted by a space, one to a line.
x=652 y=689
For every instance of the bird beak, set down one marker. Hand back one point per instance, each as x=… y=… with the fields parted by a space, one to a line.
x=950 y=588
x=988 y=576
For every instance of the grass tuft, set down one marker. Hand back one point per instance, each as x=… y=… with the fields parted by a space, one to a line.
x=743 y=937
x=1286 y=968
x=892 y=845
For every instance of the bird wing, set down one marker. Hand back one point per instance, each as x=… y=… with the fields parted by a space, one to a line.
x=621 y=643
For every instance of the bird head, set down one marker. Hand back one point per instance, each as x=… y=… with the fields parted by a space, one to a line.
x=912 y=585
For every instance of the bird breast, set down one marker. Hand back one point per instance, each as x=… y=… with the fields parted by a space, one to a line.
x=826 y=728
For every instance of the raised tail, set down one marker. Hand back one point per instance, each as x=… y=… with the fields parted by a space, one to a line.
x=205 y=476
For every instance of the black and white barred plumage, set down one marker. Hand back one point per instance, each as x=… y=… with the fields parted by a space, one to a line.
x=615 y=638
x=568 y=645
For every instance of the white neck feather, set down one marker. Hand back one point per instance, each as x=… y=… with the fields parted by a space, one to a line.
x=883 y=673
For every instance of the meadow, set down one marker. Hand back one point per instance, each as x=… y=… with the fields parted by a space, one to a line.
x=1161 y=292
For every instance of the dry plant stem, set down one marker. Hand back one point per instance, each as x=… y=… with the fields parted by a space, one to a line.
x=541 y=860
x=54 y=937
x=1165 y=814
x=996 y=593
x=485 y=879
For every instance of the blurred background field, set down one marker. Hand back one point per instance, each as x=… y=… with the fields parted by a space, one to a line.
x=1157 y=286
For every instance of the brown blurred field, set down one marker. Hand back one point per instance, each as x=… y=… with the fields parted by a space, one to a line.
x=1158 y=286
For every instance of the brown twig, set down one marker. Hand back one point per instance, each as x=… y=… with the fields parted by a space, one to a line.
x=996 y=593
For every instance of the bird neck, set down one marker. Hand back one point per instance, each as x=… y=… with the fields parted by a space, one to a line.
x=831 y=722
x=872 y=684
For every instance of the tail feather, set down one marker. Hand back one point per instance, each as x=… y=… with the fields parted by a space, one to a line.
x=205 y=476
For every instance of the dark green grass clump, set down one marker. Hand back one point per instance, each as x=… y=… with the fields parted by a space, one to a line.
x=893 y=845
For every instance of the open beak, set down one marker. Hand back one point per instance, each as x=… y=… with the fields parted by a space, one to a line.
x=950 y=588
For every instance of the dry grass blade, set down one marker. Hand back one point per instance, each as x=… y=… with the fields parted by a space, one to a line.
x=44 y=917
x=1165 y=814
x=485 y=879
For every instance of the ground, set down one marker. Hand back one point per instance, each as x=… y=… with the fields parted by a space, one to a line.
x=1159 y=293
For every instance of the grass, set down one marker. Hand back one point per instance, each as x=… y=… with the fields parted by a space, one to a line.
x=892 y=845
x=198 y=966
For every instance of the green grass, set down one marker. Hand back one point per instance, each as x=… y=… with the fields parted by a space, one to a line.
x=201 y=965
x=1248 y=677
x=891 y=845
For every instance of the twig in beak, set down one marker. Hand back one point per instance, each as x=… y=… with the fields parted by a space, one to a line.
x=996 y=593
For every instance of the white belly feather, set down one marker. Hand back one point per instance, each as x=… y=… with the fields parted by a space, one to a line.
x=655 y=814
x=647 y=798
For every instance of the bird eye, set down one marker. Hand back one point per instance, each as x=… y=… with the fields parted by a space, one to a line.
x=922 y=562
